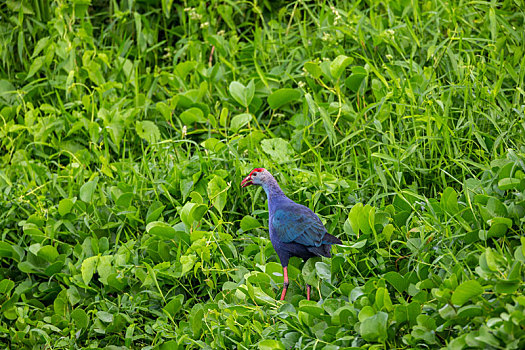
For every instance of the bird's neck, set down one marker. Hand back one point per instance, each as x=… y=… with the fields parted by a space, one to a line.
x=272 y=189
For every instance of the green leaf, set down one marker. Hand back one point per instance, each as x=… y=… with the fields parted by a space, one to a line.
x=309 y=272
x=32 y=230
x=7 y=92
x=53 y=268
x=413 y=311
x=124 y=200
x=218 y=192
x=187 y=262
x=36 y=66
x=40 y=45
x=154 y=211
x=284 y=96
x=496 y=208
x=373 y=329
x=61 y=304
x=73 y=295
x=396 y=280
x=354 y=81
x=270 y=344
x=26 y=267
x=259 y=279
x=105 y=268
x=242 y=94
x=148 y=130
x=116 y=132
x=239 y=121
x=505 y=286
x=117 y=281
x=497 y=229
x=466 y=291
x=323 y=271
x=88 y=268
x=366 y=218
x=359 y=244
x=278 y=149
x=487 y=261
x=312 y=105
x=184 y=68
x=6 y=286
x=161 y=230
x=314 y=69
x=7 y=251
x=195 y=319
x=164 y=109
x=174 y=305
x=447 y=312
x=87 y=190
x=366 y=312
x=213 y=144
x=166 y=7
x=65 y=205
x=469 y=311
x=95 y=73
x=311 y=308
x=382 y=300
x=354 y=216
x=105 y=316
x=500 y=221
x=509 y=184
x=198 y=211
x=338 y=65
x=192 y=115
x=388 y=230
x=449 y=200
x=48 y=252
x=170 y=344
x=80 y=318
x=185 y=214
x=249 y=223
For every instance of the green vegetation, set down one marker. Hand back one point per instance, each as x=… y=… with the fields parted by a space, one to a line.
x=125 y=130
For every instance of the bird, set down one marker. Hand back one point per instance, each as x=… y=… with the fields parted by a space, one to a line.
x=295 y=230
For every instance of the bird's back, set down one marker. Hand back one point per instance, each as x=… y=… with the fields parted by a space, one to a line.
x=295 y=230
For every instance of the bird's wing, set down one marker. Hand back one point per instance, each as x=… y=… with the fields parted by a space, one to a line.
x=297 y=223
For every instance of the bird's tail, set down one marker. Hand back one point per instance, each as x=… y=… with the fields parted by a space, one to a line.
x=329 y=239
x=324 y=248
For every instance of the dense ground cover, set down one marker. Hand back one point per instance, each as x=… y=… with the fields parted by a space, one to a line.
x=125 y=130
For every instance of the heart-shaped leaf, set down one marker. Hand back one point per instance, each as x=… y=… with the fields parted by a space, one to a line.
x=242 y=94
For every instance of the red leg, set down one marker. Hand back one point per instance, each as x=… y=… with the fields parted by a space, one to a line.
x=285 y=284
x=308 y=291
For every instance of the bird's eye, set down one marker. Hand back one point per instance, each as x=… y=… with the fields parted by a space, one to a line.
x=254 y=174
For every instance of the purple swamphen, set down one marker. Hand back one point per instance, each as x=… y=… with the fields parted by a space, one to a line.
x=295 y=230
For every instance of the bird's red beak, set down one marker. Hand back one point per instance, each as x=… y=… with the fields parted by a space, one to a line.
x=247 y=181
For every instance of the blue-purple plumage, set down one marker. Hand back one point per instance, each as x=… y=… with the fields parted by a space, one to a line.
x=295 y=230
